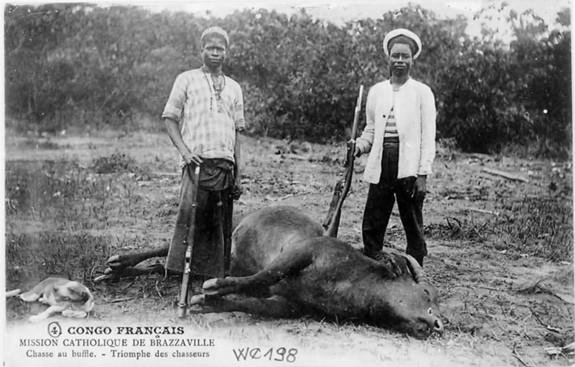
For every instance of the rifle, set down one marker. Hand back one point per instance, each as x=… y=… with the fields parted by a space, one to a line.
x=221 y=245
x=341 y=189
x=183 y=303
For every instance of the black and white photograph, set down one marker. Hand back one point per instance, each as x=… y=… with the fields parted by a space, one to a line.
x=288 y=183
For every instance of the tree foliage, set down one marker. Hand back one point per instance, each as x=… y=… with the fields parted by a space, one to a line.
x=516 y=94
x=85 y=65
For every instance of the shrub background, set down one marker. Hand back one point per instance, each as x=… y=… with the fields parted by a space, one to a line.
x=83 y=67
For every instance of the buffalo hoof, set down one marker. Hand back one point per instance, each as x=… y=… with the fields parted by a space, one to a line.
x=198 y=299
x=109 y=276
x=119 y=262
x=112 y=275
x=211 y=286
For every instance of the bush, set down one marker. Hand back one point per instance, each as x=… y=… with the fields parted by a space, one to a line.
x=300 y=74
x=478 y=108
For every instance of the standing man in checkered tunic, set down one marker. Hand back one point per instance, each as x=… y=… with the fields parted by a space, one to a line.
x=203 y=116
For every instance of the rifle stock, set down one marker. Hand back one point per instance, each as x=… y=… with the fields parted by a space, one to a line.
x=341 y=189
x=183 y=301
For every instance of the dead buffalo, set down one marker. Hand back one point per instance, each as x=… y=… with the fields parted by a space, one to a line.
x=280 y=253
x=284 y=266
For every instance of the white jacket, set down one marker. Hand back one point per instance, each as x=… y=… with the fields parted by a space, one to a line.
x=415 y=118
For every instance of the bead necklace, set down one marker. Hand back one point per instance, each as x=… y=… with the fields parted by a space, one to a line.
x=216 y=87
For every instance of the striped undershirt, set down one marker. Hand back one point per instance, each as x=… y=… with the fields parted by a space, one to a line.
x=391 y=126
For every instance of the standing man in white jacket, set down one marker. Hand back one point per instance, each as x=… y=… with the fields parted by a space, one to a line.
x=400 y=138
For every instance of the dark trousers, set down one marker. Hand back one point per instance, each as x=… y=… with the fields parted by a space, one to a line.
x=212 y=233
x=380 y=200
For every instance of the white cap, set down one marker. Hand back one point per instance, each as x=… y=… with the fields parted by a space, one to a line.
x=402 y=32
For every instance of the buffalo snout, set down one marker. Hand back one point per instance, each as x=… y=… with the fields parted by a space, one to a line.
x=423 y=327
x=438 y=326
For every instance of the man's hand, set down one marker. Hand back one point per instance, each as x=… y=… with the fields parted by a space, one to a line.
x=238 y=190
x=190 y=157
x=420 y=186
x=357 y=151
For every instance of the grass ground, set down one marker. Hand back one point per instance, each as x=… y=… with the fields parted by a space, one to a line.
x=501 y=250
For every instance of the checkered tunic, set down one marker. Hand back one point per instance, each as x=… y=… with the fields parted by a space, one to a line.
x=206 y=130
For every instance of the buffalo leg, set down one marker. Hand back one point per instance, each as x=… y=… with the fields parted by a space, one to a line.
x=274 y=306
x=287 y=263
x=119 y=262
x=125 y=265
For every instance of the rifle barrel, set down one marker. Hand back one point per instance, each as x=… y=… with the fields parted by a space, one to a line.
x=183 y=302
x=331 y=224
